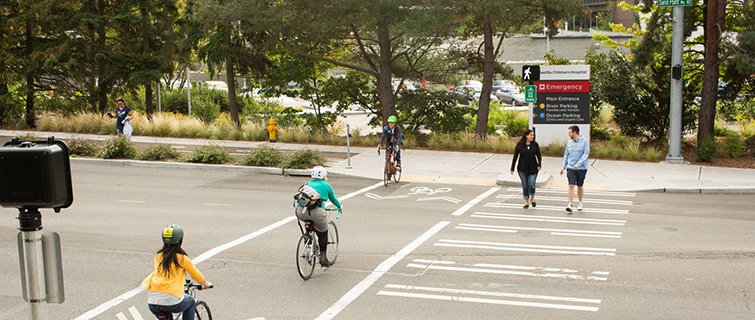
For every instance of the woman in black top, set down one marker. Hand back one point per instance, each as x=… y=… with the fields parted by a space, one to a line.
x=530 y=162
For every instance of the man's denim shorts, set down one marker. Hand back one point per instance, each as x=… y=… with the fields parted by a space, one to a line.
x=576 y=177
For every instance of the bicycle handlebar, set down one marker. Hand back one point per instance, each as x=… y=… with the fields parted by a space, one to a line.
x=335 y=209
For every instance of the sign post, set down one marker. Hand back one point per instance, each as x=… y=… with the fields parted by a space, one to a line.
x=530 y=94
x=675 y=113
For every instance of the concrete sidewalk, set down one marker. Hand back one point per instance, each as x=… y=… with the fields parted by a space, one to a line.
x=482 y=168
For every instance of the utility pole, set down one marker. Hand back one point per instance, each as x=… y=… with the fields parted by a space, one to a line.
x=675 y=118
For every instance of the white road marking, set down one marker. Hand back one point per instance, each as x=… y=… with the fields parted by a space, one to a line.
x=524 y=217
x=554 y=208
x=486 y=300
x=381 y=269
x=525 y=247
x=449 y=199
x=475 y=201
x=121 y=316
x=586 y=192
x=561 y=232
x=132 y=201
x=135 y=313
x=131 y=293
x=506 y=269
x=492 y=294
x=565 y=200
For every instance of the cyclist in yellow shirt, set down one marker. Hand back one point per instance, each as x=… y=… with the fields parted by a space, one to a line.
x=166 y=283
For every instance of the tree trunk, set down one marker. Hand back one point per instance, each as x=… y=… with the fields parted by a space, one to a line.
x=148 y=104
x=30 y=69
x=231 y=80
x=102 y=89
x=707 y=114
x=483 y=107
x=385 y=90
x=3 y=97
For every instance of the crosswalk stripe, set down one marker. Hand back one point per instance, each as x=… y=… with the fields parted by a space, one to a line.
x=525 y=247
x=554 y=208
x=489 y=300
x=565 y=199
x=121 y=316
x=490 y=215
x=509 y=270
x=135 y=313
x=563 y=232
x=587 y=192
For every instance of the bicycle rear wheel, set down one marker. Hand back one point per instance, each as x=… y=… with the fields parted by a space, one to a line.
x=305 y=256
x=203 y=311
x=332 y=252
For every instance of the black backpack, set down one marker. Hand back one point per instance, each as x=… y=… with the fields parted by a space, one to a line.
x=307 y=197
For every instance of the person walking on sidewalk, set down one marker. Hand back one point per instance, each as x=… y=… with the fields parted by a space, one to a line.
x=575 y=164
x=530 y=161
x=124 y=115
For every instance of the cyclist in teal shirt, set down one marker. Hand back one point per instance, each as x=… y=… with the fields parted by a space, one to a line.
x=318 y=215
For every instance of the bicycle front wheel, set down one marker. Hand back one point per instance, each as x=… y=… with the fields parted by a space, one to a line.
x=387 y=172
x=397 y=175
x=305 y=256
x=203 y=311
x=332 y=252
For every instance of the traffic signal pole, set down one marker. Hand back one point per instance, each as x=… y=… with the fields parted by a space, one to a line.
x=675 y=118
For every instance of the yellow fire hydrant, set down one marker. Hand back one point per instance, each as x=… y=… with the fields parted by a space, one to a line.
x=271 y=128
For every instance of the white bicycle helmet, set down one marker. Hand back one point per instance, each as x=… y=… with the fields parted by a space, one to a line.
x=319 y=172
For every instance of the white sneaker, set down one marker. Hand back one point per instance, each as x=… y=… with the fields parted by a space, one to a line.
x=579 y=206
x=568 y=208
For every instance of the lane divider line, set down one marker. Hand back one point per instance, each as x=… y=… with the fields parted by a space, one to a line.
x=475 y=201
x=381 y=269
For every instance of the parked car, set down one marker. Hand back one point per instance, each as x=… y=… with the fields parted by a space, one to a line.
x=465 y=94
x=216 y=85
x=505 y=95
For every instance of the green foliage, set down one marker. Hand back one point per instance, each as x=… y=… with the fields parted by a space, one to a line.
x=552 y=59
x=158 y=152
x=732 y=147
x=707 y=150
x=598 y=133
x=211 y=153
x=117 y=148
x=28 y=136
x=750 y=143
x=724 y=131
x=437 y=111
x=515 y=127
x=555 y=149
x=303 y=159
x=263 y=156
x=82 y=147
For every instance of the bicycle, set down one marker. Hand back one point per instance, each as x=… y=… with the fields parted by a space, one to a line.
x=202 y=309
x=308 y=250
x=390 y=170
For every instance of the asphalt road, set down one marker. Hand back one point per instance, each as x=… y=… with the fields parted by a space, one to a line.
x=408 y=251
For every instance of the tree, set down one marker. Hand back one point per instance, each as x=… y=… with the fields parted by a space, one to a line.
x=232 y=42
x=487 y=17
x=383 y=38
x=713 y=24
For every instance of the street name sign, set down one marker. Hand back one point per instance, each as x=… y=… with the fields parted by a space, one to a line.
x=674 y=3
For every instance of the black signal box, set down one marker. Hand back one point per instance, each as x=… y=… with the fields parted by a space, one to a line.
x=35 y=174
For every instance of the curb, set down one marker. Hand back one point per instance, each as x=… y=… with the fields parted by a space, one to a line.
x=513 y=181
x=202 y=166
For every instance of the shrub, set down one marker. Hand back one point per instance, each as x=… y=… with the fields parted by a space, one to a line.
x=733 y=147
x=598 y=133
x=555 y=148
x=28 y=136
x=707 y=150
x=211 y=153
x=304 y=159
x=652 y=154
x=117 y=148
x=158 y=152
x=82 y=147
x=723 y=131
x=515 y=127
x=750 y=143
x=263 y=156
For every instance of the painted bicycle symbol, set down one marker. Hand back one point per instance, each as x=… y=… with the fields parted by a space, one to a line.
x=428 y=191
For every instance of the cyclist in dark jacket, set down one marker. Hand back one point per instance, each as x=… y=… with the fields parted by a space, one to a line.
x=393 y=137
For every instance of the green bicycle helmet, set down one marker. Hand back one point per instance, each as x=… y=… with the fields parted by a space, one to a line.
x=172 y=234
x=392 y=119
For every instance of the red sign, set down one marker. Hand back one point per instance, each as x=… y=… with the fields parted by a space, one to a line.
x=563 y=86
